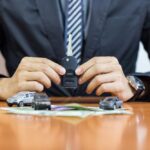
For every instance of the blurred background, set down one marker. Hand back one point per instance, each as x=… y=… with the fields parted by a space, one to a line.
x=143 y=63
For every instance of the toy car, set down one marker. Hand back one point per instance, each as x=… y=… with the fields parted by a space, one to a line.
x=110 y=103
x=41 y=102
x=21 y=99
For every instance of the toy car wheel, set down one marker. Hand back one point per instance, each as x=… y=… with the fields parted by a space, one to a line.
x=33 y=105
x=36 y=107
x=21 y=104
x=48 y=108
x=10 y=105
x=115 y=107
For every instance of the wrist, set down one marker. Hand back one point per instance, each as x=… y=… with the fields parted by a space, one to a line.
x=5 y=88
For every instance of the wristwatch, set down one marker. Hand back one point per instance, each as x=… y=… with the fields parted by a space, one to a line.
x=137 y=85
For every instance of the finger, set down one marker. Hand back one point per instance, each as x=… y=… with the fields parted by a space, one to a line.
x=38 y=67
x=98 y=69
x=96 y=60
x=31 y=86
x=58 y=68
x=113 y=88
x=39 y=77
x=99 y=80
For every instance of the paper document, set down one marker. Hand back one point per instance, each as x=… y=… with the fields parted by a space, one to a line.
x=70 y=110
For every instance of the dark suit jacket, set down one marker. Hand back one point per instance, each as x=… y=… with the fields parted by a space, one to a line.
x=35 y=28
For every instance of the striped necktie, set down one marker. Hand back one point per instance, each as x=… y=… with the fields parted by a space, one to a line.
x=74 y=26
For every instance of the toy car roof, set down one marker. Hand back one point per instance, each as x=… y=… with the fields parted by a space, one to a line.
x=25 y=92
x=111 y=99
x=40 y=95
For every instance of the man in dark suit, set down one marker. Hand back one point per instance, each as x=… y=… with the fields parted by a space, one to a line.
x=33 y=35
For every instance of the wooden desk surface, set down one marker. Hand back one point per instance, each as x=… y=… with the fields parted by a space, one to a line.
x=109 y=132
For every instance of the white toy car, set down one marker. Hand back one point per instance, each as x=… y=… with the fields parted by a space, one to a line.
x=21 y=99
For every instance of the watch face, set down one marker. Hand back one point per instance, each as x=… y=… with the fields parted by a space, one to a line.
x=140 y=84
x=136 y=83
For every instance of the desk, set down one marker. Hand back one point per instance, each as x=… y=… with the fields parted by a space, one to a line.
x=110 y=132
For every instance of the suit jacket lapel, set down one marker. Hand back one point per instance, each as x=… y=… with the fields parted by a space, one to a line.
x=88 y=19
x=94 y=33
x=49 y=11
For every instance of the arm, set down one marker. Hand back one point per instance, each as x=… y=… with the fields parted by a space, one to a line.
x=145 y=38
x=32 y=74
x=105 y=75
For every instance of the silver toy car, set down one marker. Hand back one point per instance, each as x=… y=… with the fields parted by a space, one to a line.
x=110 y=103
x=21 y=99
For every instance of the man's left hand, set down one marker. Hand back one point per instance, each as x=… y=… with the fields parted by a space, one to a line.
x=105 y=75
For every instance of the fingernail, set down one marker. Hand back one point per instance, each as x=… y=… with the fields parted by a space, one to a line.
x=58 y=82
x=62 y=71
x=88 y=92
x=80 y=81
x=79 y=71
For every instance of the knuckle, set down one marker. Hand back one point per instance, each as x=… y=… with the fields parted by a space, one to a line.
x=41 y=77
x=45 y=68
x=103 y=88
x=122 y=85
x=119 y=87
x=45 y=60
x=119 y=78
x=97 y=68
x=20 y=86
x=38 y=87
x=23 y=66
x=119 y=67
x=115 y=60
x=95 y=60
x=20 y=76
x=98 y=80
x=24 y=59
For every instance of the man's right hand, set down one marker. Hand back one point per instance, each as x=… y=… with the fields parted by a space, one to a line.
x=33 y=74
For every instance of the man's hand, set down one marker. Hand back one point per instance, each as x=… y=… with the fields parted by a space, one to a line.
x=33 y=74
x=105 y=75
